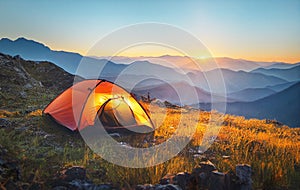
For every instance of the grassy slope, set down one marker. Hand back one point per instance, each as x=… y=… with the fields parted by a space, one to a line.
x=43 y=148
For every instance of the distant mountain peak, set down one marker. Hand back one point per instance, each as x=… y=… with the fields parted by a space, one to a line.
x=142 y=62
x=6 y=39
x=22 y=39
x=27 y=42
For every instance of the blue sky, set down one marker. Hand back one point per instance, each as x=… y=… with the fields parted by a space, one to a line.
x=264 y=30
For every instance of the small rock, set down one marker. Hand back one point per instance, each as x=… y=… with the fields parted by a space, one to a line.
x=35 y=186
x=40 y=84
x=48 y=135
x=203 y=176
x=168 y=187
x=199 y=150
x=226 y=157
x=145 y=187
x=297 y=167
x=2 y=162
x=230 y=180
x=243 y=172
x=23 y=94
x=87 y=185
x=103 y=187
x=200 y=176
x=181 y=179
x=217 y=181
x=4 y=122
x=28 y=86
x=73 y=173
x=199 y=156
x=167 y=179
x=75 y=178
x=60 y=188
x=207 y=166
x=22 y=128
x=9 y=170
x=11 y=185
x=25 y=186
x=114 y=135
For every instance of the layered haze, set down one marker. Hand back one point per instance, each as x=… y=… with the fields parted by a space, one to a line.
x=252 y=89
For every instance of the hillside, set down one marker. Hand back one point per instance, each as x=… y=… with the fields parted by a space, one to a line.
x=176 y=93
x=283 y=107
x=289 y=74
x=32 y=50
x=251 y=94
x=281 y=87
x=23 y=82
x=69 y=61
x=235 y=81
x=282 y=66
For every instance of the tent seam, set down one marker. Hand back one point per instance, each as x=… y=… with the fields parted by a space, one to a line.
x=84 y=104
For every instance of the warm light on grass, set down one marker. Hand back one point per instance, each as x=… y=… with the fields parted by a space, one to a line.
x=272 y=151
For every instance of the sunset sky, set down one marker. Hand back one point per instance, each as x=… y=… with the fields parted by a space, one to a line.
x=260 y=30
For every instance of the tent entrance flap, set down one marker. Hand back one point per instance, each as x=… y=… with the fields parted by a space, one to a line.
x=116 y=113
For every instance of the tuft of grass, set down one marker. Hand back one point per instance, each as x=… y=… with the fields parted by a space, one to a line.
x=36 y=113
x=6 y=113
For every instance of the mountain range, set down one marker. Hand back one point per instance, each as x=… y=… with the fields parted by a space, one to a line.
x=283 y=106
x=204 y=64
x=288 y=74
x=253 y=89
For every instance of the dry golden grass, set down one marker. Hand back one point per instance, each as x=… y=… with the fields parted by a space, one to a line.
x=36 y=113
x=272 y=151
x=6 y=113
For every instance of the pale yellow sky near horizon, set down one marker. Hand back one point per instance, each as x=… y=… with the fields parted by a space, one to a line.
x=270 y=55
x=257 y=30
x=138 y=52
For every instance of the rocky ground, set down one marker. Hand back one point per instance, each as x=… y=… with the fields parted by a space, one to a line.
x=205 y=176
x=26 y=83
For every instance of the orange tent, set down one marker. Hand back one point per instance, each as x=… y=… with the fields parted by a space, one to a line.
x=90 y=101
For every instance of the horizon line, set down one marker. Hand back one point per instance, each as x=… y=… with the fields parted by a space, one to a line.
x=150 y=56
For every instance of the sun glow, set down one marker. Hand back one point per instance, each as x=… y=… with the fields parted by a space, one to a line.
x=151 y=50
